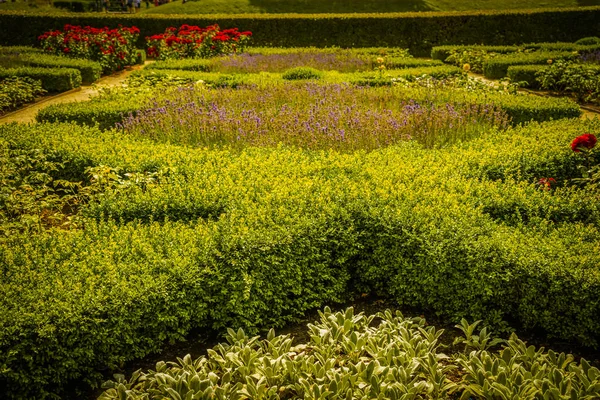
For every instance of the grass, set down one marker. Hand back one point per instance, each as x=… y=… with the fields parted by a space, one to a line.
x=352 y=6
x=34 y=6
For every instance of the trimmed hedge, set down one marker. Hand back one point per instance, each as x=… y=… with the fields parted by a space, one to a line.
x=443 y=52
x=497 y=67
x=201 y=65
x=18 y=50
x=53 y=79
x=525 y=73
x=105 y=114
x=255 y=239
x=90 y=70
x=212 y=65
x=416 y=31
x=373 y=78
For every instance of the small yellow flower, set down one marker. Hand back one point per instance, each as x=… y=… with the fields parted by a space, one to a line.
x=549 y=61
x=380 y=60
x=382 y=66
x=467 y=67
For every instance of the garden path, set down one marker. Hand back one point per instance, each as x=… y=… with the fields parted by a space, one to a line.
x=27 y=114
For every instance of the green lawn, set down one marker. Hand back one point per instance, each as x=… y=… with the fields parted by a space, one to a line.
x=346 y=6
x=37 y=6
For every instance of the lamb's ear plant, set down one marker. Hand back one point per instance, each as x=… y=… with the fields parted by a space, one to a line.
x=475 y=341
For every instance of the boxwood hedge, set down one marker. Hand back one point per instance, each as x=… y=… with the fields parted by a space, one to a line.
x=53 y=79
x=256 y=238
x=416 y=31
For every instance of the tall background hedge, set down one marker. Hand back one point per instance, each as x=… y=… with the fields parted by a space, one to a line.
x=416 y=31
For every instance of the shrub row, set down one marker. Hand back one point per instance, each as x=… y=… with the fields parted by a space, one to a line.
x=90 y=70
x=213 y=65
x=526 y=73
x=416 y=31
x=18 y=50
x=443 y=52
x=497 y=67
x=53 y=79
x=288 y=231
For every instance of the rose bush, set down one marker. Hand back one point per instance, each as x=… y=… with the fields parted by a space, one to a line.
x=112 y=48
x=196 y=42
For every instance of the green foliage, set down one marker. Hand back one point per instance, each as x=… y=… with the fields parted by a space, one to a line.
x=300 y=73
x=416 y=31
x=53 y=79
x=198 y=238
x=18 y=50
x=592 y=40
x=17 y=91
x=580 y=79
x=90 y=70
x=104 y=113
x=348 y=357
x=201 y=65
x=140 y=57
x=497 y=67
x=526 y=75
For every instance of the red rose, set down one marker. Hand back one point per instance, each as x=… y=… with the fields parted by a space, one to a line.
x=585 y=141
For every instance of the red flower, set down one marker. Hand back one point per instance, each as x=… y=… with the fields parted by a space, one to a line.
x=585 y=141
x=546 y=183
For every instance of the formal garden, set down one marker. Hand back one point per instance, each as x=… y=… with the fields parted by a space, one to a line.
x=259 y=173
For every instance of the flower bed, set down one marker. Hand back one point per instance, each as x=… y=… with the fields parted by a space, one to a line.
x=114 y=49
x=195 y=42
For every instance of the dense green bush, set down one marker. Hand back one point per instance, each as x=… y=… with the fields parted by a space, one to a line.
x=141 y=57
x=300 y=73
x=580 y=79
x=593 y=40
x=388 y=77
x=18 y=50
x=90 y=70
x=17 y=91
x=106 y=114
x=53 y=79
x=416 y=31
x=525 y=73
x=497 y=67
x=202 y=65
x=255 y=238
x=443 y=52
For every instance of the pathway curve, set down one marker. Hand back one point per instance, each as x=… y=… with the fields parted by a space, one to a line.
x=28 y=113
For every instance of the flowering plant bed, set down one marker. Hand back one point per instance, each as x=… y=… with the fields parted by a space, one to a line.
x=114 y=49
x=196 y=42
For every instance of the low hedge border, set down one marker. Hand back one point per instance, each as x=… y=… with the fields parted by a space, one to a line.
x=443 y=52
x=53 y=79
x=90 y=70
x=497 y=67
x=417 y=31
x=212 y=65
x=525 y=73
